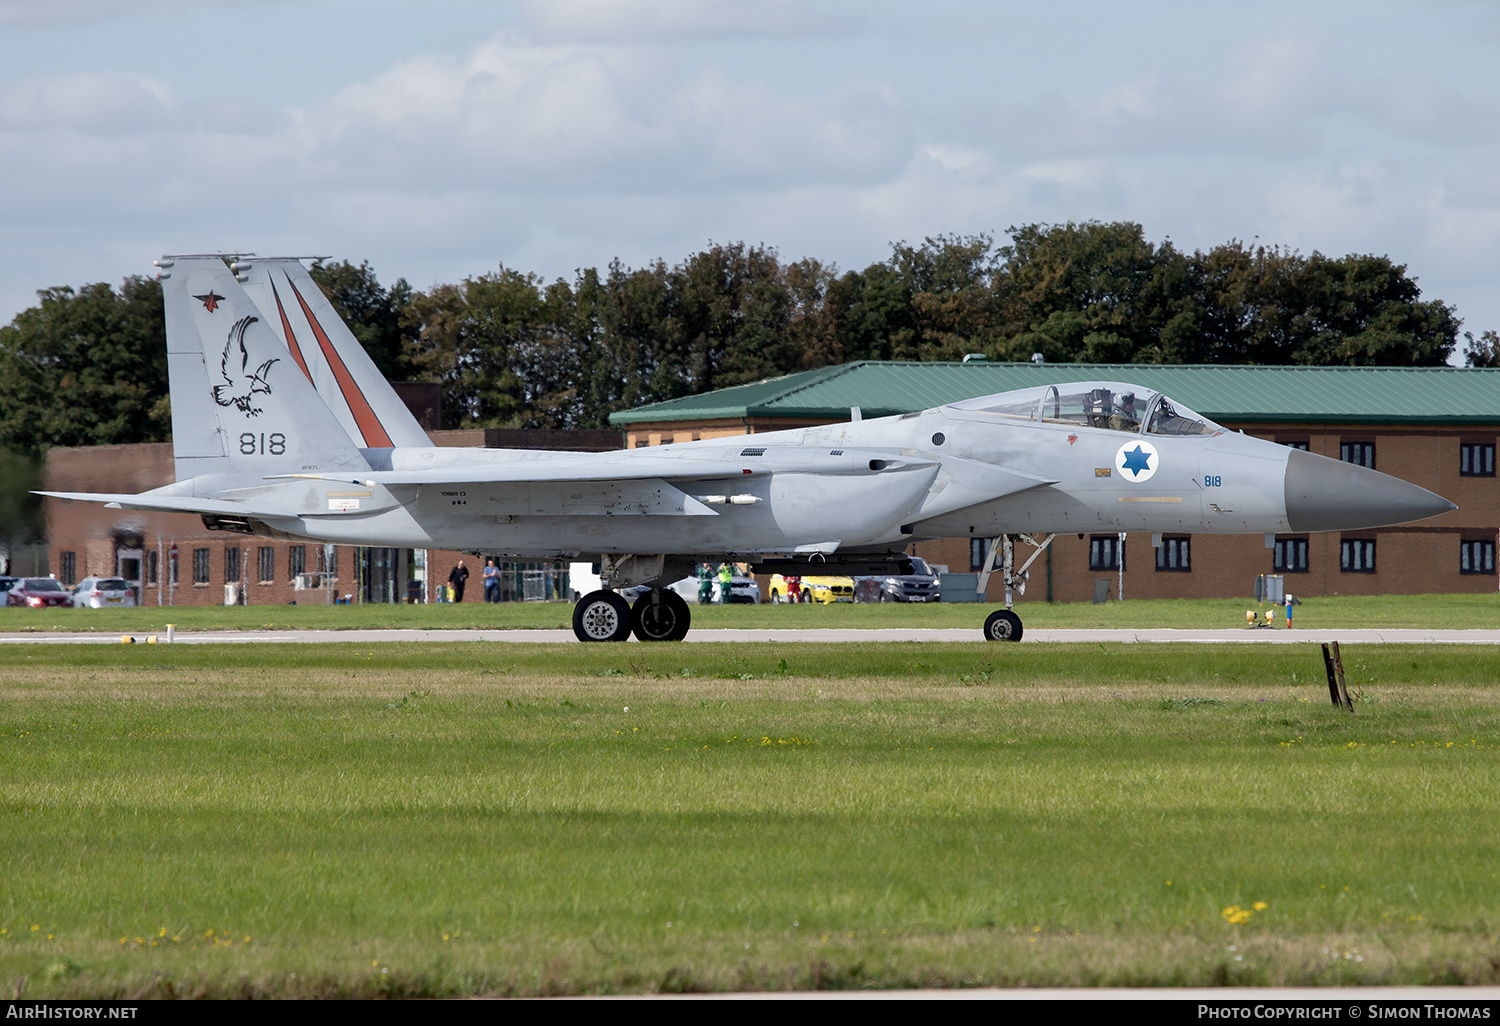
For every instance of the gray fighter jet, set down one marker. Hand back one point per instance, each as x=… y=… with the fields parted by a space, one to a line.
x=320 y=449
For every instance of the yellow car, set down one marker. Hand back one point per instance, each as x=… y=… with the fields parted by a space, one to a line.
x=812 y=589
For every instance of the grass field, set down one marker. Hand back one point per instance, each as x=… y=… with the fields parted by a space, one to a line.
x=1427 y=611
x=399 y=819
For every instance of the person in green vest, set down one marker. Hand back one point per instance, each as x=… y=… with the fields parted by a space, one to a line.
x=705 y=584
x=726 y=582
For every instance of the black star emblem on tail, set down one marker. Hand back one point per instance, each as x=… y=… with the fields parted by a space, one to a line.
x=211 y=301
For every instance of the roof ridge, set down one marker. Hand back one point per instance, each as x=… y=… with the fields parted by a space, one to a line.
x=838 y=371
x=1320 y=367
x=691 y=396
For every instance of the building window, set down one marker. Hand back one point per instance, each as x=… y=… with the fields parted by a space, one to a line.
x=1290 y=556
x=1172 y=554
x=1476 y=459
x=266 y=564
x=67 y=567
x=172 y=566
x=1104 y=552
x=153 y=568
x=1476 y=557
x=1295 y=443
x=1361 y=454
x=296 y=560
x=328 y=559
x=976 y=554
x=200 y=566
x=231 y=565
x=1357 y=555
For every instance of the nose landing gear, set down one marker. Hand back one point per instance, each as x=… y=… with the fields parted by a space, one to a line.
x=1004 y=624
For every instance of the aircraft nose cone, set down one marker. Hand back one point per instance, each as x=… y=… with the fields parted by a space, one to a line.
x=1330 y=495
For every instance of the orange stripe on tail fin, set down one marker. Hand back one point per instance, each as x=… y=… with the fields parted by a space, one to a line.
x=369 y=424
x=286 y=327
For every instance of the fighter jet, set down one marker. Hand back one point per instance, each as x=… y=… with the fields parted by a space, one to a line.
x=322 y=451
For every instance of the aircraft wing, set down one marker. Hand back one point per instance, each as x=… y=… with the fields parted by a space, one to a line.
x=527 y=466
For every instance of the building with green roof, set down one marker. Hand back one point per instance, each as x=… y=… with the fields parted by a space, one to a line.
x=1241 y=394
x=1434 y=426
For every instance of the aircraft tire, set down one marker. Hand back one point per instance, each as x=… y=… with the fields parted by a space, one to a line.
x=1002 y=625
x=601 y=616
x=667 y=621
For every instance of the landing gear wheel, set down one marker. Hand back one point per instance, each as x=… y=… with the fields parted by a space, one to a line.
x=601 y=616
x=666 y=620
x=1002 y=625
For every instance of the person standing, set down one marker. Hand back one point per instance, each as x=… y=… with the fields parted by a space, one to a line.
x=726 y=582
x=458 y=577
x=705 y=584
x=491 y=581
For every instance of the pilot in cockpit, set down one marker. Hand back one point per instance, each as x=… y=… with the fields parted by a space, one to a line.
x=1100 y=406
x=1125 y=416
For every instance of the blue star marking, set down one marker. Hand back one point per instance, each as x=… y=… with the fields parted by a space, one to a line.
x=1137 y=460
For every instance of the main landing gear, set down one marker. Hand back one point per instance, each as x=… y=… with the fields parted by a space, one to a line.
x=1004 y=624
x=658 y=615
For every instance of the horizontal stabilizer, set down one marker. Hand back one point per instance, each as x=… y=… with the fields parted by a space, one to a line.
x=170 y=504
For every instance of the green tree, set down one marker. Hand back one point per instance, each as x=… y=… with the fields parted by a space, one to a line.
x=85 y=367
x=455 y=343
x=1483 y=351
x=21 y=520
x=732 y=309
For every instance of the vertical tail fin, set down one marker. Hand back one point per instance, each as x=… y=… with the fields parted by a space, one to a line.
x=329 y=355
x=238 y=405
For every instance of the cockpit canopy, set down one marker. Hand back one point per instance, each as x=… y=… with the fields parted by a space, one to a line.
x=1099 y=404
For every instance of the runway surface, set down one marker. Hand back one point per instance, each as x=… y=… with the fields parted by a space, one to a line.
x=1242 y=635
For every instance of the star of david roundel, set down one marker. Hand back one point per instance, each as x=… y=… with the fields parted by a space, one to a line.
x=1136 y=461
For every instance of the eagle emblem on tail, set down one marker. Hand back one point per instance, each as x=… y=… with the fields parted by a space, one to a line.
x=241 y=385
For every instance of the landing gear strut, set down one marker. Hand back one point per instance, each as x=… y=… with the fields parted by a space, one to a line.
x=1004 y=624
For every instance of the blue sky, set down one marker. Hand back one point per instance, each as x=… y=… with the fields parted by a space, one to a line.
x=441 y=139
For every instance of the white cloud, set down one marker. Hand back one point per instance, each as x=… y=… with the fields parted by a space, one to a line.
x=644 y=129
x=100 y=103
x=616 y=20
x=515 y=114
x=65 y=13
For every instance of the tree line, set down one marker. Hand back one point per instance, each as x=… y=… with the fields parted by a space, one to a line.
x=87 y=366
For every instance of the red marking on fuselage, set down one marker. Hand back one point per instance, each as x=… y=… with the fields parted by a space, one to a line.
x=364 y=417
x=286 y=326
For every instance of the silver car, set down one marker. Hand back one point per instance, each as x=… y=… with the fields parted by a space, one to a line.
x=102 y=592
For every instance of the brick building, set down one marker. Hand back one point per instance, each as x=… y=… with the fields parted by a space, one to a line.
x=1435 y=427
x=173 y=559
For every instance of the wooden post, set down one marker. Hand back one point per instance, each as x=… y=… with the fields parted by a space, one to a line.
x=1333 y=685
x=1338 y=665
